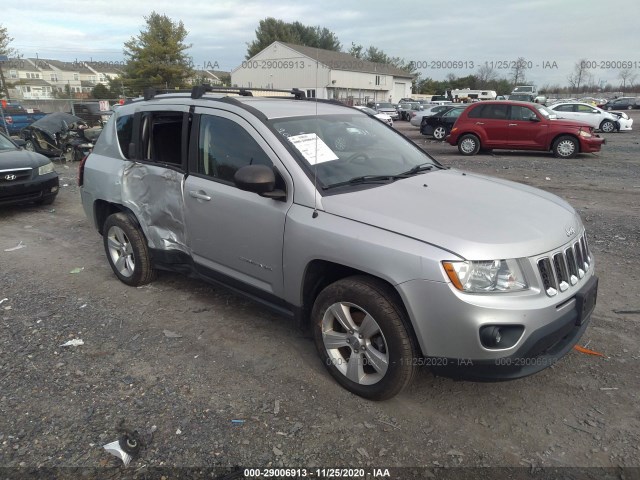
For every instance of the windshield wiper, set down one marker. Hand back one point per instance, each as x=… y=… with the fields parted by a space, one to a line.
x=423 y=167
x=363 y=179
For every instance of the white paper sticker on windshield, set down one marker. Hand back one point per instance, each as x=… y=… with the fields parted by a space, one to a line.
x=313 y=148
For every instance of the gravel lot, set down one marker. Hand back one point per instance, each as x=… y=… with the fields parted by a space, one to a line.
x=183 y=359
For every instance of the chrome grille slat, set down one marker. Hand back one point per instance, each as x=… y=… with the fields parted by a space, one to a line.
x=564 y=269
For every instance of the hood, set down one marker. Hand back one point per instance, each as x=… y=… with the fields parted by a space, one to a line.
x=475 y=217
x=21 y=159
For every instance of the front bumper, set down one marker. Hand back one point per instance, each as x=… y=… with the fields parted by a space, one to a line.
x=542 y=349
x=448 y=323
x=36 y=189
x=591 y=144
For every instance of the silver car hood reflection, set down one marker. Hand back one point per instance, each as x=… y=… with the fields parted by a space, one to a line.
x=475 y=217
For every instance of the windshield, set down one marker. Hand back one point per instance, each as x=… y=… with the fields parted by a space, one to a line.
x=546 y=112
x=523 y=89
x=6 y=144
x=385 y=105
x=344 y=147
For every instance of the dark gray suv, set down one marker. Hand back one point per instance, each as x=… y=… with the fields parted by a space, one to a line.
x=325 y=214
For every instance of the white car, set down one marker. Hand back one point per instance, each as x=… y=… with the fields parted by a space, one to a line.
x=427 y=111
x=383 y=117
x=594 y=116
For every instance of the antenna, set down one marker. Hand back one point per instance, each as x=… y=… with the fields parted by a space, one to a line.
x=315 y=165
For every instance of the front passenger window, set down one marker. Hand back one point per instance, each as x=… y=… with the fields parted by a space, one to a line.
x=225 y=146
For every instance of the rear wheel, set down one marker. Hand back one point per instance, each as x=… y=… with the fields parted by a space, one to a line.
x=565 y=147
x=127 y=250
x=607 y=126
x=468 y=144
x=439 y=132
x=360 y=335
x=29 y=146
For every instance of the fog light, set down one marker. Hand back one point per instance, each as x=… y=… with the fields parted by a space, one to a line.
x=498 y=337
x=54 y=189
x=490 y=336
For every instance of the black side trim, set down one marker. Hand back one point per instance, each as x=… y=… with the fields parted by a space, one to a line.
x=181 y=262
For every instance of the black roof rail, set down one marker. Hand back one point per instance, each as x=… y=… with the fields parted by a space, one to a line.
x=198 y=91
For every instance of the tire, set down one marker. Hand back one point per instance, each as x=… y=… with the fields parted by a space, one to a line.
x=127 y=251
x=607 y=126
x=29 y=146
x=378 y=362
x=440 y=132
x=629 y=107
x=565 y=147
x=468 y=144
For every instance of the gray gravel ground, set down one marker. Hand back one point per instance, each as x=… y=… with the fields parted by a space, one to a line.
x=183 y=359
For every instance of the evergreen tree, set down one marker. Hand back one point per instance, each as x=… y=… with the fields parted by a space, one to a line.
x=157 y=57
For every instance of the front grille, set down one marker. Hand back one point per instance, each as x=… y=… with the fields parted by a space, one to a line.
x=566 y=268
x=10 y=176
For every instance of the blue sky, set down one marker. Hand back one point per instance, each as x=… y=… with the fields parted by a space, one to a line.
x=551 y=33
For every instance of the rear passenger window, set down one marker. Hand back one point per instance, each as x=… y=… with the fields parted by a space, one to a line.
x=124 y=129
x=162 y=137
x=225 y=146
x=476 y=112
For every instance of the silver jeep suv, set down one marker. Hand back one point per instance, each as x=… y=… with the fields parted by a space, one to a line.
x=327 y=215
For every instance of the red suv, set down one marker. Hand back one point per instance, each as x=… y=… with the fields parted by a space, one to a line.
x=521 y=126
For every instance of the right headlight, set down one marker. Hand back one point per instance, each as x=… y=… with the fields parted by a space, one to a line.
x=486 y=276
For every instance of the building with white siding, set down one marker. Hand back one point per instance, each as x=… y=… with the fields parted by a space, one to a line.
x=322 y=74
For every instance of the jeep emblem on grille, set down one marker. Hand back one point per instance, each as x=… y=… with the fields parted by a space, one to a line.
x=10 y=177
x=569 y=230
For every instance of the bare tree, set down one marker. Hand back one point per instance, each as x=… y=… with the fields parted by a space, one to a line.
x=580 y=75
x=485 y=75
x=5 y=49
x=518 y=71
x=625 y=76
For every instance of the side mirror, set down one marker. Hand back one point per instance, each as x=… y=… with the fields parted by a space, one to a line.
x=534 y=118
x=20 y=142
x=258 y=179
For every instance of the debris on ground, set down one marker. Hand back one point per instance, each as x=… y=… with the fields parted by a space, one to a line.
x=170 y=334
x=17 y=247
x=580 y=349
x=128 y=445
x=77 y=270
x=4 y=300
x=73 y=343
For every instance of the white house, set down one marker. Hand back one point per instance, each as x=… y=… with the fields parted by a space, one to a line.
x=322 y=74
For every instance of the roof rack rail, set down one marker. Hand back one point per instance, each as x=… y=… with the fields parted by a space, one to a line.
x=198 y=91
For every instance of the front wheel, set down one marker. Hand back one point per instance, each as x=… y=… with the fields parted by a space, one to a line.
x=565 y=147
x=469 y=144
x=127 y=250
x=439 y=132
x=607 y=126
x=361 y=337
x=29 y=146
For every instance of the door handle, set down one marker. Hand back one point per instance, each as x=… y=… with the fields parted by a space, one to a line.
x=479 y=123
x=199 y=195
x=513 y=124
